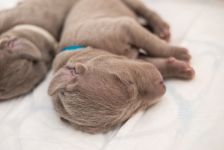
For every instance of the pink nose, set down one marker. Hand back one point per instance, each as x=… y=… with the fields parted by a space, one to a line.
x=161 y=82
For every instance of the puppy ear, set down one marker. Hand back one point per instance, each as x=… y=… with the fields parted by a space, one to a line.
x=78 y=67
x=57 y=83
x=61 y=59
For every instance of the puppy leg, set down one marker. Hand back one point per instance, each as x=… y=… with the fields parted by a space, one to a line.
x=171 y=67
x=158 y=25
x=7 y=19
x=140 y=38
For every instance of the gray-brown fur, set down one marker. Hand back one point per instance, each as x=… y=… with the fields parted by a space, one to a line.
x=25 y=55
x=47 y=14
x=95 y=90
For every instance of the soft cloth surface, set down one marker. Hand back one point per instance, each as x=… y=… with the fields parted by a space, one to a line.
x=189 y=117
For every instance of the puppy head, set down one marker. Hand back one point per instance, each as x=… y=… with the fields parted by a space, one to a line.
x=103 y=92
x=21 y=66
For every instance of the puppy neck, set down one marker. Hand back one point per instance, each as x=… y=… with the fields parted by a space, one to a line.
x=74 y=48
x=48 y=36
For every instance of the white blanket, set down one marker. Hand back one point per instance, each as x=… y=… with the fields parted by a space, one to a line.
x=189 y=117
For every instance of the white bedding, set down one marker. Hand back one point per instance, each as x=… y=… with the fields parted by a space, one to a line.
x=189 y=117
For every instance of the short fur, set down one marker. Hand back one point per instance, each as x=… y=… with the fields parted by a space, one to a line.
x=26 y=56
x=96 y=91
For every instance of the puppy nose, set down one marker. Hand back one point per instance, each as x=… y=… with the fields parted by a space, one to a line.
x=161 y=82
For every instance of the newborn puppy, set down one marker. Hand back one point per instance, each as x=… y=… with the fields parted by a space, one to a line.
x=96 y=91
x=28 y=46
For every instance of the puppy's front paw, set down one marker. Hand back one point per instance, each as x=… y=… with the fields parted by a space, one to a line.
x=180 y=69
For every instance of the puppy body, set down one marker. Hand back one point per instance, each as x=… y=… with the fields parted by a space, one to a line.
x=97 y=23
x=22 y=70
x=49 y=15
x=95 y=90
x=27 y=51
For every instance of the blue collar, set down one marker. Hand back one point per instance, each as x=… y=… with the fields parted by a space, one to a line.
x=73 y=48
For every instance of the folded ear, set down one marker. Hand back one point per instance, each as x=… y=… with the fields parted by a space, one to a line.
x=60 y=81
x=61 y=59
x=56 y=84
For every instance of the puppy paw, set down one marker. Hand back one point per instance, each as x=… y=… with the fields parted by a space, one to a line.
x=162 y=30
x=181 y=53
x=180 y=69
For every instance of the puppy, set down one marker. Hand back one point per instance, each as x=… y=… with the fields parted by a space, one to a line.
x=103 y=77
x=28 y=43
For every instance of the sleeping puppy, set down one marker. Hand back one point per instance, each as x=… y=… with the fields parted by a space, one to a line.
x=103 y=77
x=28 y=43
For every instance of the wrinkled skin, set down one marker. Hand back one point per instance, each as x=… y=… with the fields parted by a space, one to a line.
x=96 y=91
x=23 y=64
x=26 y=56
